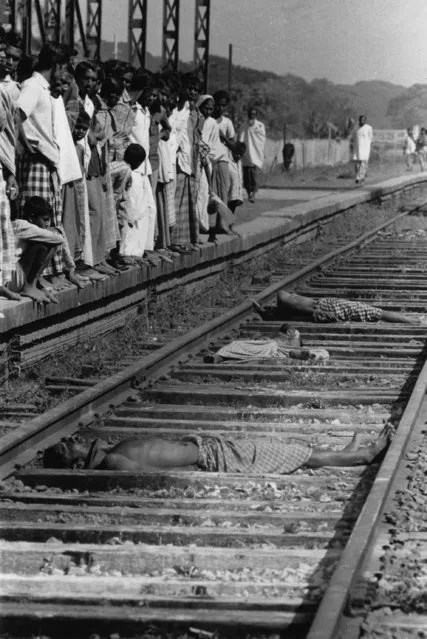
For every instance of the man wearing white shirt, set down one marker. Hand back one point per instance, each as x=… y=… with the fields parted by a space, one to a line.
x=253 y=136
x=13 y=55
x=227 y=137
x=362 y=140
x=38 y=161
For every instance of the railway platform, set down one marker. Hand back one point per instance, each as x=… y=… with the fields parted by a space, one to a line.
x=284 y=215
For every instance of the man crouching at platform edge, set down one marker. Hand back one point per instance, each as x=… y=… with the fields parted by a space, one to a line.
x=213 y=454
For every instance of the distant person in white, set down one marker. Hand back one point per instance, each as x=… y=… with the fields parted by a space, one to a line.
x=362 y=139
x=253 y=135
x=409 y=148
x=420 y=148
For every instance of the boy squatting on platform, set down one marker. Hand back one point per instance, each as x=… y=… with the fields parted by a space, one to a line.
x=327 y=309
x=35 y=243
x=214 y=454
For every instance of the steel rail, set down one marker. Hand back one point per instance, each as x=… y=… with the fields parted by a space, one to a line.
x=20 y=446
x=330 y=612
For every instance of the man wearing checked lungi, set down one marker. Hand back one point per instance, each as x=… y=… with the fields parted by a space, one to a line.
x=209 y=453
x=291 y=306
x=38 y=156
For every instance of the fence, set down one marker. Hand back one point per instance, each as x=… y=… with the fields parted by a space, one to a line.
x=307 y=153
x=387 y=143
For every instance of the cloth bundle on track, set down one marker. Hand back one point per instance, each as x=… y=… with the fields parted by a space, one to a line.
x=254 y=349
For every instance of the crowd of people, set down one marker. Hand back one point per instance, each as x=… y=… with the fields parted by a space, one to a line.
x=104 y=166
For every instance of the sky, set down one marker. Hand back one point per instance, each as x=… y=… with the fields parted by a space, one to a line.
x=342 y=40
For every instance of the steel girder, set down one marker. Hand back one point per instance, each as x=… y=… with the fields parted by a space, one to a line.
x=201 y=41
x=26 y=25
x=69 y=22
x=51 y=20
x=137 y=31
x=93 y=28
x=170 y=56
x=50 y=29
x=8 y=13
x=49 y=23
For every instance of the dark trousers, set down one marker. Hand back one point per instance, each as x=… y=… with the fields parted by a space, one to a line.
x=250 y=178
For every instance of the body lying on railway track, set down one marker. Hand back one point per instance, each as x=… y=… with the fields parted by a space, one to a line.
x=208 y=453
x=327 y=309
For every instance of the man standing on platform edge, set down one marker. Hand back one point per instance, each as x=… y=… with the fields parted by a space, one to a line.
x=362 y=140
x=253 y=135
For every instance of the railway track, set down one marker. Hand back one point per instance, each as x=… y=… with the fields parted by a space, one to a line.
x=99 y=552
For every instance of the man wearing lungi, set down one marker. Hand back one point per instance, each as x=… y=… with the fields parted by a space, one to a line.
x=38 y=159
x=327 y=309
x=212 y=454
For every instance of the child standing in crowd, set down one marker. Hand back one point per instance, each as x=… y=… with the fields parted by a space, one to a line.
x=143 y=88
x=133 y=223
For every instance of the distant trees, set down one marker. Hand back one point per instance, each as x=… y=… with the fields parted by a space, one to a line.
x=409 y=108
x=308 y=109
x=313 y=109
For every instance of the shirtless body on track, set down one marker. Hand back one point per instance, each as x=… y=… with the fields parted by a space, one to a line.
x=157 y=454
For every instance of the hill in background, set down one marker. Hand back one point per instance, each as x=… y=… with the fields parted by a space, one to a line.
x=307 y=108
x=372 y=98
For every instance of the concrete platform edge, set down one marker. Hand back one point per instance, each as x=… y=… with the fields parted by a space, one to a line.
x=26 y=326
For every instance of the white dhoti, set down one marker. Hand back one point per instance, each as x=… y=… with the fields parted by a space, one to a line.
x=138 y=231
x=202 y=199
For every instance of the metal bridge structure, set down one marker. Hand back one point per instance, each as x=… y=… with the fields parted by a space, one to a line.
x=40 y=21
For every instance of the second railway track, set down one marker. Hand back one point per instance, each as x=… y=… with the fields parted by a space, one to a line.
x=99 y=552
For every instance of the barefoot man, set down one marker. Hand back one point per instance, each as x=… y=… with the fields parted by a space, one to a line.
x=208 y=453
x=35 y=243
x=326 y=309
